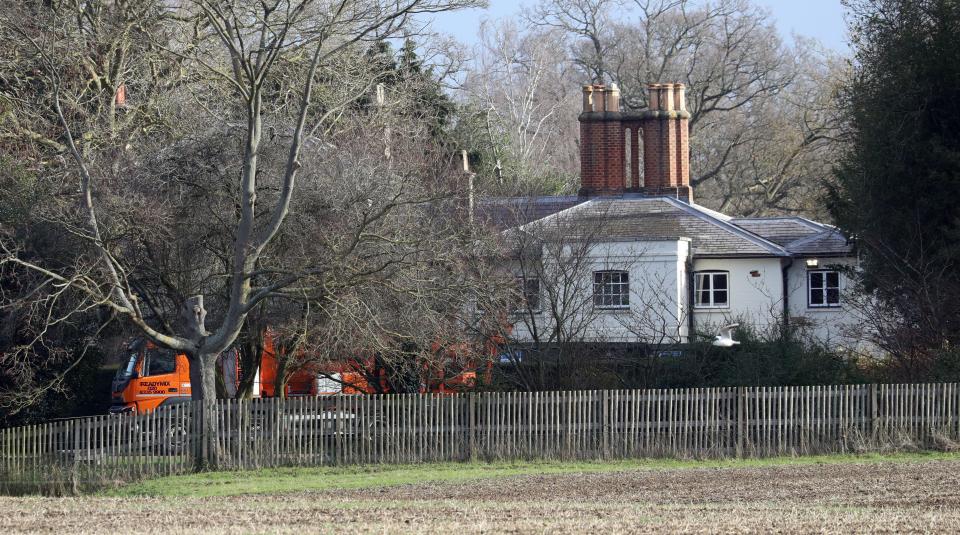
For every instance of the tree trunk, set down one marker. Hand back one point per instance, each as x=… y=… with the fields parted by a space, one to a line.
x=280 y=381
x=220 y=378
x=250 y=355
x=203 y=379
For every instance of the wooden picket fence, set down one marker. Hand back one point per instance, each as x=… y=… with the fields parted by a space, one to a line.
x=71 y=456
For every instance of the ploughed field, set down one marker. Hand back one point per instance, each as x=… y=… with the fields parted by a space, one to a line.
x=916 y=495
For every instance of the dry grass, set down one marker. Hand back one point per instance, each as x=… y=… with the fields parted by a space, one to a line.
x=846 y=497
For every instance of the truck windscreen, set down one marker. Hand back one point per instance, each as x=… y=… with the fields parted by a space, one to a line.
x=125 y=372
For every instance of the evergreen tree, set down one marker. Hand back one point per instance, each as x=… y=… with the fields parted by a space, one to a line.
x=898 y=187
x=403 y=72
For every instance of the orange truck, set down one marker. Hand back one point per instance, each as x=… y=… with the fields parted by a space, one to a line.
x=154 y=377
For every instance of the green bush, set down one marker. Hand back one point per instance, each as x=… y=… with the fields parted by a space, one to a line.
x=786 y=359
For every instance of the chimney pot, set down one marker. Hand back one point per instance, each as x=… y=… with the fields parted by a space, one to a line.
x=667 y=97
x=121 y=97
x=613 y=98
x=600 y=97
x=679 y=97
x=587 y=98
x=653 y=96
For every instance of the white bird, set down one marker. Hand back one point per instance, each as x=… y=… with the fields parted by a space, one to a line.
x=724 y=336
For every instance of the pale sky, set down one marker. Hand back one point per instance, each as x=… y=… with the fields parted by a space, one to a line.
x=820 y=19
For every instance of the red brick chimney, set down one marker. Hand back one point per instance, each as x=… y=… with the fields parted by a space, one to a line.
x=601 y=141
x=666 y=142
x=607 y=134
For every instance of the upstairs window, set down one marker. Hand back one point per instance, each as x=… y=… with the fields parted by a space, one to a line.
x=611 y=289
x=712 y=289
x=823 y=288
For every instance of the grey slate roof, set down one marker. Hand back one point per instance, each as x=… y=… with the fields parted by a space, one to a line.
x=653 y=218
x=638 y=217
x=780 y=230
x=828 y=242
x=504 y=213
x=798 y=235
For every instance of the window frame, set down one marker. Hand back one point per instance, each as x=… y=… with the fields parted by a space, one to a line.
x=523 y=305
x=824 y=290
x=697 y=289
x=623 y=285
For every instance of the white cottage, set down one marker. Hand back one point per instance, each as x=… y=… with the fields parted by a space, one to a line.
x=633 y=258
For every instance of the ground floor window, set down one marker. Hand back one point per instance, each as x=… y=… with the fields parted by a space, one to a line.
x=611 y=289
x=712 y=289
x=528 y=292
x=823 y=288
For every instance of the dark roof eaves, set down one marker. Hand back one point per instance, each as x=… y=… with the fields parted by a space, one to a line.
x=832 y=254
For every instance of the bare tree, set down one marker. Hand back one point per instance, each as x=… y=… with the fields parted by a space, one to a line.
x=524 y=97
x=786 y=144
x=590 y=21
x=240 y=48
x=553 y=306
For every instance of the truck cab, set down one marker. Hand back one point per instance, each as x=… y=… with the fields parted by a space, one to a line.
x=151 y=376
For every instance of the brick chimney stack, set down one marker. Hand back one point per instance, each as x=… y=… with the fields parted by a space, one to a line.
x=666 y=142
x=606 y=134
x=601 y=141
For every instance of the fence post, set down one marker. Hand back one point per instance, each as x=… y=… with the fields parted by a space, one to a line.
x=741 y=419
x=75 y=470
x=472 y=422
x=605 y=423
x=874 y=413
x=200 y=436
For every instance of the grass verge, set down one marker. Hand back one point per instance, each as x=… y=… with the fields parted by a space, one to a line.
x=287 y=480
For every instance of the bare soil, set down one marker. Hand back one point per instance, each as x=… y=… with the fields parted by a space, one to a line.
x=829 y=498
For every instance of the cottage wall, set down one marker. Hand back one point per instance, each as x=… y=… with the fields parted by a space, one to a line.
x=657 y=304
x=756 y=293
x=837 y=327
x=660 y=302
